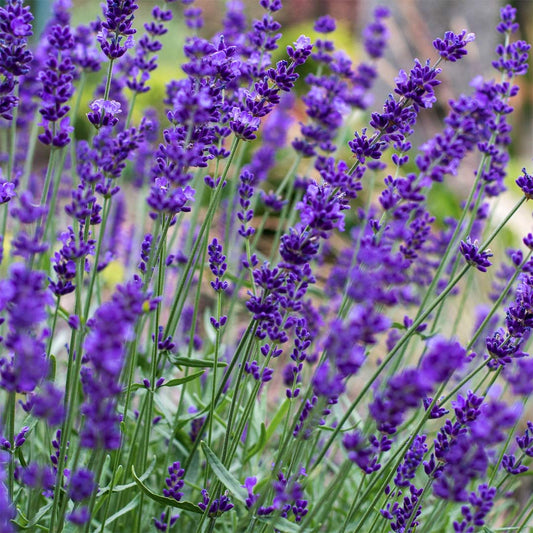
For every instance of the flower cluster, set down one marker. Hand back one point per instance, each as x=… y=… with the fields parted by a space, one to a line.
x=111 y=327
x=15 y=28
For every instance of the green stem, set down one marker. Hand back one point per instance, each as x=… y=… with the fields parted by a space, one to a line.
x=177 y=303
x=243 y=345
x=105 y=214
x=215 y=367
x=98 y=473
x=108 y=80
x=13 y=138
x=353 y=507
x=71 y=396
x=11 y=404
x=329 y=495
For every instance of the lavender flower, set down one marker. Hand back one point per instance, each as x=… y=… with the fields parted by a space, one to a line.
x=513 y=466
x=216 y=507
x=507 y=22
x=452 y=46
x=473 y=256
x=165 y=520
x=116 y=35
x=174 y=482
x=81 y=485
x=244 y=124
x=56 y=79
x=480 y=505
x=111 y=326
x=321 y=296
x=412 y=460
x=15 y=28
x=325 y=24
x=23 y=295
x=525 y=182
x=7 y=191
x=362 y=453
x=103 y=112
x=48 y=404
x=407 y=389
x=376 y=34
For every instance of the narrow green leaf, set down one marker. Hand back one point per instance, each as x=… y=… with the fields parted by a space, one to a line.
x=20 y=457
x=53 y=366
x=134 y=387
x=281 y=524
x=186 y=506
x=398 y=325
x=224 y=476
x=170 y=383
x=278 y=418
x=259 y=445
x=31 y=523
x=121 y=488
x=195 y=363
x=238 y=279
x=179 y=381
x=63 y=313
x=183 y=421
x=124 y=510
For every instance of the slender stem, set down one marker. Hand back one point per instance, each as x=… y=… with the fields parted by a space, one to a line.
x=108 y=79
x=243 y=345
x=13 y=138
x=94 y=273
x=71 y=396
x=177 y=303
x=354 y=506
x=215 y=368
x=11 y=404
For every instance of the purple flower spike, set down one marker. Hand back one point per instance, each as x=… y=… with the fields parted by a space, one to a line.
x=452 y=46
x=525 y=182
x=163 y=523
x=116 y=27
x=513 y=466
x=419 y=84
x=249 y=484
x=23 y=365
x=110 y=328
x=480 y=504
x=174 y=482
x=325 y=24
x=362 y=453
x=376 y=34
x=216 y=507
x=57 y=88
x=7 y=191
x=243 y=124
x=80 y=516
x=81 y=485
x=507 y=16
x=15 y=27
x=49 y=405
x=218 y=266
x=300 y=50
x=473 y=256
x=103 y=112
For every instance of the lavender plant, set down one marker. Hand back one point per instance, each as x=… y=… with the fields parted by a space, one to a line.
x=221 y=318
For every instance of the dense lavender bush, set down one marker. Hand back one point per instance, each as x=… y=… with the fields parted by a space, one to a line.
x=222 y=317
